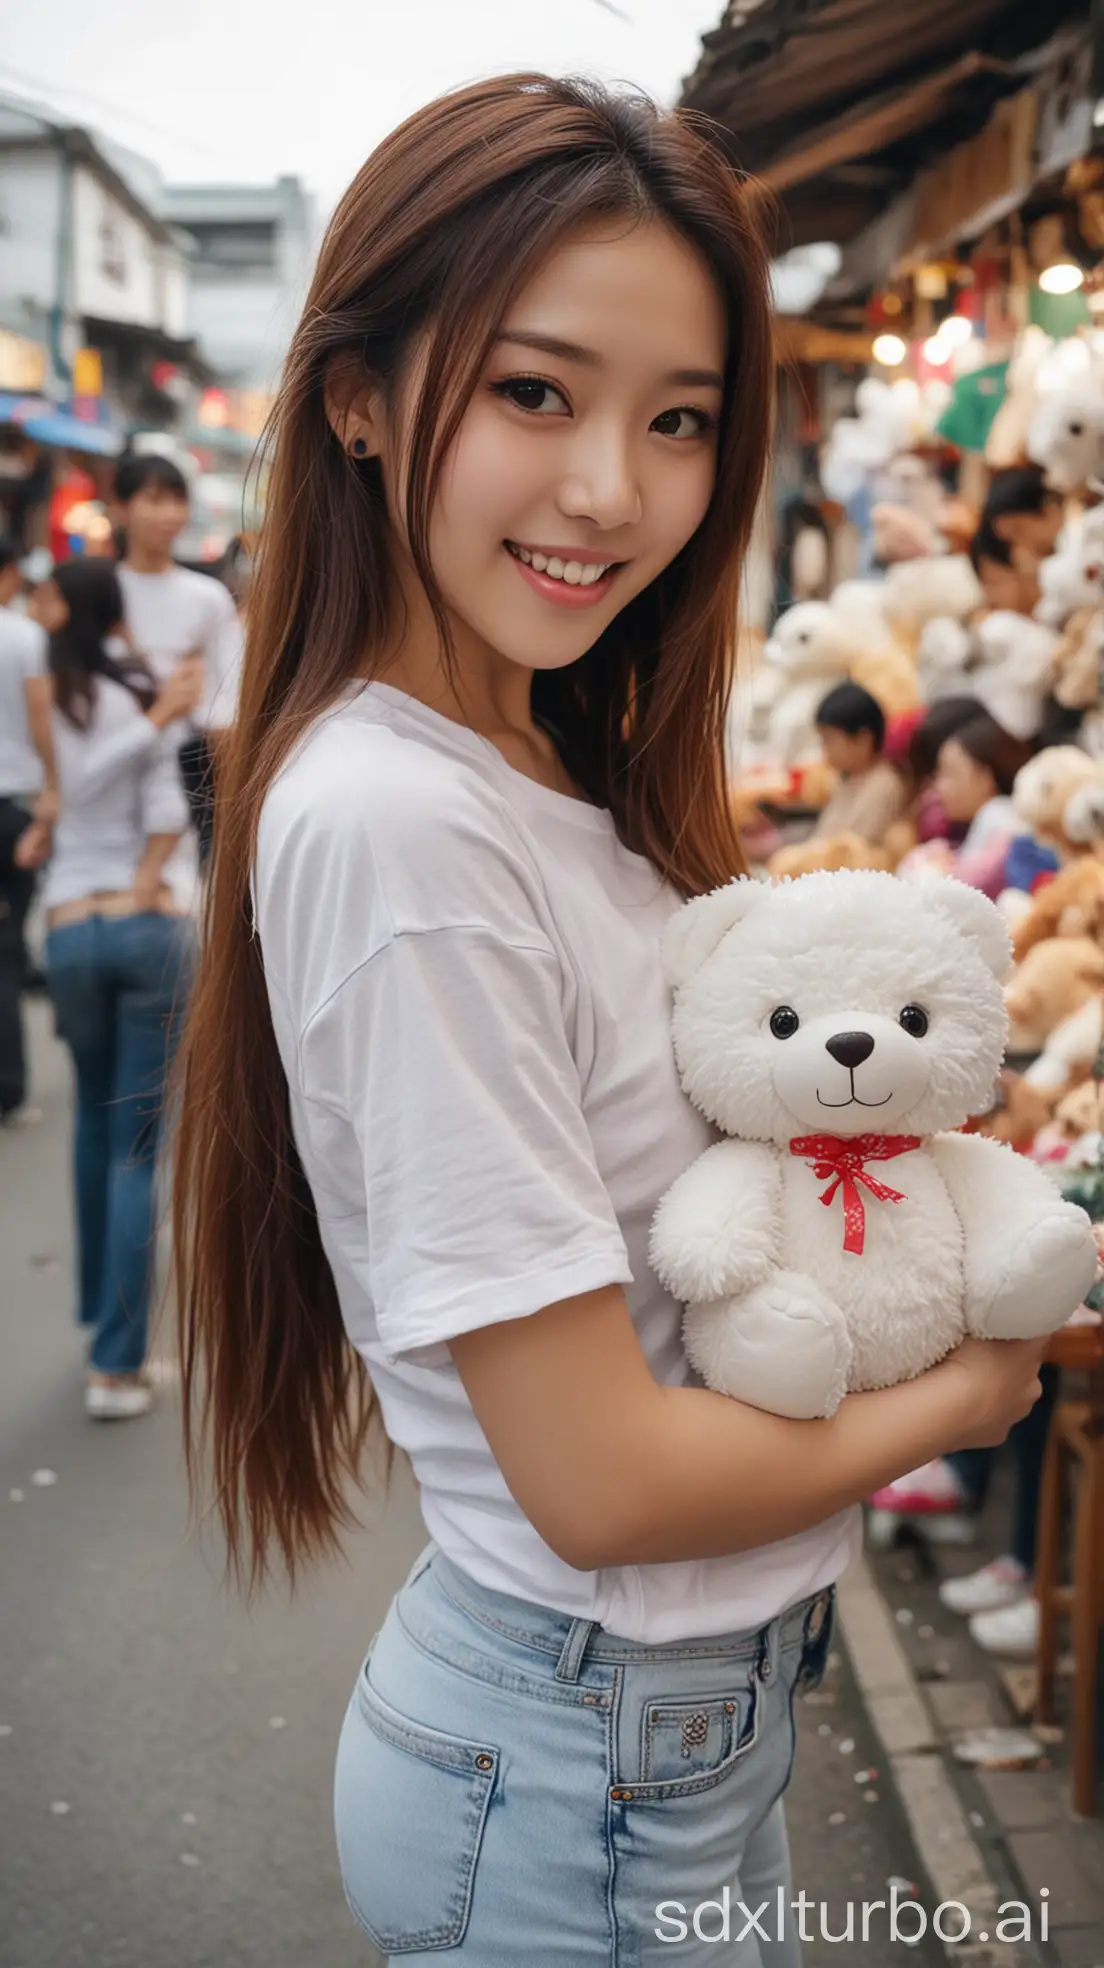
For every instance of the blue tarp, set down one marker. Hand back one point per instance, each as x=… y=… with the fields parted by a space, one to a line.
x=47 y=423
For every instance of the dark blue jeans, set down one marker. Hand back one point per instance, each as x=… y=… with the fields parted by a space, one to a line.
x=119 y=989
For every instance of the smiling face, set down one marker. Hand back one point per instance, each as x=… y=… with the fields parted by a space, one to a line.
x=585 y=460
x=844 y=1004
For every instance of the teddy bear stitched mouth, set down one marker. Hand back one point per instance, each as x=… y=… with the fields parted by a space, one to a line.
x=854 y=1101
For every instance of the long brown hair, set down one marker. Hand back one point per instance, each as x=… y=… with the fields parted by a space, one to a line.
x=446 y=221
x=94 y=600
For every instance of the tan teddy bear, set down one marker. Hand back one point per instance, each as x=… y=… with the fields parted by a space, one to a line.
x=831 y=851
x=1054 y=980
x=1070 y=905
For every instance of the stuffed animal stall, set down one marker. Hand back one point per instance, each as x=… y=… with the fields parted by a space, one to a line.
x=840 y=1238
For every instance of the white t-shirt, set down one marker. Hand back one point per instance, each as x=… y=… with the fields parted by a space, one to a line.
x=465 y=986
x=119 y=782
x=169 y=615
x=23 y=654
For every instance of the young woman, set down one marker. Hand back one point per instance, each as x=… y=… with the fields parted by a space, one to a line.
x=974 y=776
x=118 y=958
x=430 y=1104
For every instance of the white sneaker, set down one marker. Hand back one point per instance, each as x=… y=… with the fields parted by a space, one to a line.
x=1012 y=1631
x=120 y=1400
x=1002 y=1583
x=21 y=1117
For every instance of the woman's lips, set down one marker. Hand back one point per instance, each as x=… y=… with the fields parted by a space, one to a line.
x=562 y=592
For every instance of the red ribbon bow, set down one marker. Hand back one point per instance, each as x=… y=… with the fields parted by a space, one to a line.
x=840 y=1163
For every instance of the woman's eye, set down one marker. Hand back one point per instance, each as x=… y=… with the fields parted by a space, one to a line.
x=531 y=393
x=683 y=423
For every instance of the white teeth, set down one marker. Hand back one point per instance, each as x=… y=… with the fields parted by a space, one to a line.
x=574 y=573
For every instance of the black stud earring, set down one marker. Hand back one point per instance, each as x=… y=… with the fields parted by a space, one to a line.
x=359 y=448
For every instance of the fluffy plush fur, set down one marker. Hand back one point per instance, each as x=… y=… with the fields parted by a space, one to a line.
x=974 y=1239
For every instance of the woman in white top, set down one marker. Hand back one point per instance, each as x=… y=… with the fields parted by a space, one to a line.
x=430 y=1103
x=118 y=958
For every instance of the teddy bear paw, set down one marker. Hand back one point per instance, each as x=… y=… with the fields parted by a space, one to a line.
x=1047 y=1276
x=783 y=1347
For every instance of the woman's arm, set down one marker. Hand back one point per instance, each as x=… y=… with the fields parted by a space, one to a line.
x=613 y=1469
x=40 y=725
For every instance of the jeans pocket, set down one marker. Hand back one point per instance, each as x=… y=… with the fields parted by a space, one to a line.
x=410 y=1805
x=688 y=1746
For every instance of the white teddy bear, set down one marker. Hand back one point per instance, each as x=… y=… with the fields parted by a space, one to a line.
x=809 y=651
x=833 y=1028
x=1007 y=661
x=1066 y=436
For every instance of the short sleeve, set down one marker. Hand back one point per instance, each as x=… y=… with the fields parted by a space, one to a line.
x=222 y=651
x=36 y=653
x=484 y=1200
x=164 y=805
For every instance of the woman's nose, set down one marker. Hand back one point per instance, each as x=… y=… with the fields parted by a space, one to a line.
x=601 y=485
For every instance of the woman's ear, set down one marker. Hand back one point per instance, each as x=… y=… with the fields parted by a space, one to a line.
x=354 y=407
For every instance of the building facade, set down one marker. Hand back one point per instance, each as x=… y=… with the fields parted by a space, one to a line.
x=251 y=248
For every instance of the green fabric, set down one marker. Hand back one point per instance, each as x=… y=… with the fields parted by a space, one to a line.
x=968 y=418
x=1059 y=315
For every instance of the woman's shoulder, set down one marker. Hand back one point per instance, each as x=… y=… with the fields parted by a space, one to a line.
x=415 y=830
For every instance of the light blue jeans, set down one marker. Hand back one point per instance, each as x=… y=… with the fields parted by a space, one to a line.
x=119 y=989
x=514 y=1785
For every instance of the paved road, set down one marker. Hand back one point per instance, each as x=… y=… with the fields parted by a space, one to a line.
x=166 y=1758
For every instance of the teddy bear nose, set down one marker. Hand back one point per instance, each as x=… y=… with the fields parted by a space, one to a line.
x=850 y=1048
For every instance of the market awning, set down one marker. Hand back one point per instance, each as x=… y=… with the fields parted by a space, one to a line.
x=46 y=423
x=876 y=125
x=840 y=103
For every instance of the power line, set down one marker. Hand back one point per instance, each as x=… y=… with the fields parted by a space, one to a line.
x=617 y=12
x=112 y=108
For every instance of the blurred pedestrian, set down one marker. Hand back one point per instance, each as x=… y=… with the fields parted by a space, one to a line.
x=28 y=809
x=118 y=957
x=172 y=612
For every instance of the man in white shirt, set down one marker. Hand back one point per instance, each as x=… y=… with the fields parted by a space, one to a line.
x=28 y=809
x=172 y=612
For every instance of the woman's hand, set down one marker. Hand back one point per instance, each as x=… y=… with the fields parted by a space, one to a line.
x=179 y=695
x=997 y=1384
x=33 y=846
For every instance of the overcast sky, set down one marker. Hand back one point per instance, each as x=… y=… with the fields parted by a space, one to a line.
x=215 y=89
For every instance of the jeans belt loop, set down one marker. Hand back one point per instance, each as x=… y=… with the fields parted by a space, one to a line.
x=570 y=1663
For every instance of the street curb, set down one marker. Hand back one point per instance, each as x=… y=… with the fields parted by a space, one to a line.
x=905 y=1728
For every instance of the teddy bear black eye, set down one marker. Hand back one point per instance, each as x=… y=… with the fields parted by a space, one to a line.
x=784 y=1022
x=914 y=1020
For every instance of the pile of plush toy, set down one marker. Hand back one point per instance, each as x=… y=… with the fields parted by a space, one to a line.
x=924 y=635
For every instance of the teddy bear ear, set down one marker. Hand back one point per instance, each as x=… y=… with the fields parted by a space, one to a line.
x=695 y=930
x=976 y=918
